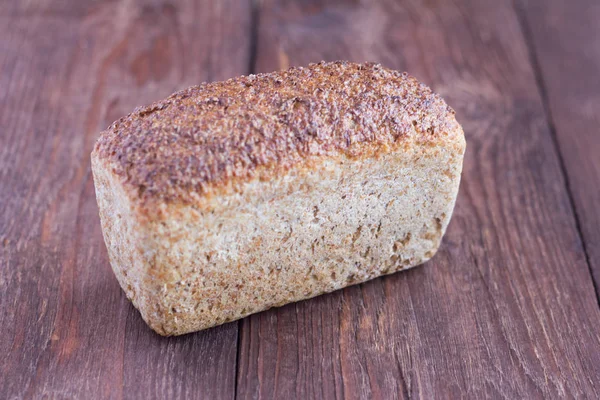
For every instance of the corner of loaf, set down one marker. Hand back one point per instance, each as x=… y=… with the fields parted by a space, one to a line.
x=233 y=197
x=126 y=234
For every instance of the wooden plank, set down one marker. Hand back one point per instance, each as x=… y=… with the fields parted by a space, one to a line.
x=507 y=307
x=565 y=38
x=49 y=8
x=68 y=330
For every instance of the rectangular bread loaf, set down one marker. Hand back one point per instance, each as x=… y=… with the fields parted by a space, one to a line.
x=232 y=197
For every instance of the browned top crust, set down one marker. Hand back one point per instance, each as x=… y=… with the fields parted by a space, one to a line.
x=214 y=134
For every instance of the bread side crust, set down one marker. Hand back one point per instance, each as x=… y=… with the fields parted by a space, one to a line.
x=323 y=225
x=127 y=241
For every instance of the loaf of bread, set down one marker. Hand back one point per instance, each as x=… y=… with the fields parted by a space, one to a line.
x=232 y=197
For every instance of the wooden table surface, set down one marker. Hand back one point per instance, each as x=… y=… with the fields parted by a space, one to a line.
x=508 y=308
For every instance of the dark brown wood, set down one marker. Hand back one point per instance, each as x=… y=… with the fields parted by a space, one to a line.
x=565 y=40
x=507 y=308
x=68 y=69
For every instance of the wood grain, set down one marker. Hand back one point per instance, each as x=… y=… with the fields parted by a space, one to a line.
x=507 y=308
x=66 y=73
x=565 y=40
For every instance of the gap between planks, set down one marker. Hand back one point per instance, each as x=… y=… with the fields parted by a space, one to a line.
x=541 y=85
x=253 y=34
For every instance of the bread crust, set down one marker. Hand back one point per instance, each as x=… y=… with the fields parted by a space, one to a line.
x=233 y=197
x=211 y=138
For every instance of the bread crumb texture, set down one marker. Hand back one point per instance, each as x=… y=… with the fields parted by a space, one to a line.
x=214 y=136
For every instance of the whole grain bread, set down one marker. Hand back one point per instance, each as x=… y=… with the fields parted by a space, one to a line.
x=232 y=197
